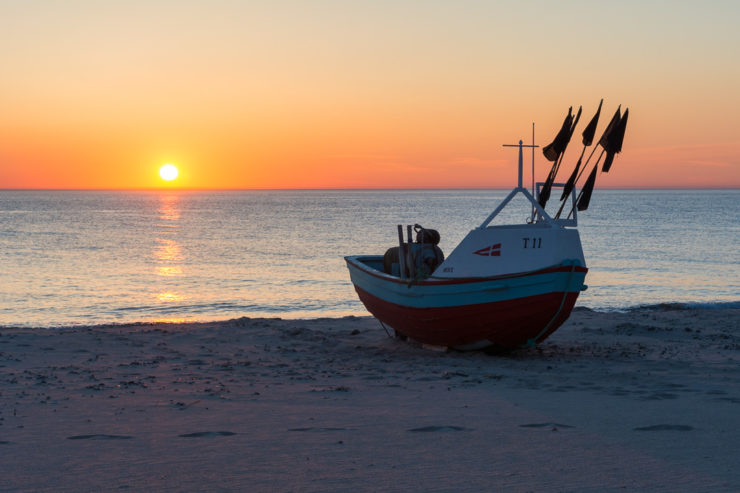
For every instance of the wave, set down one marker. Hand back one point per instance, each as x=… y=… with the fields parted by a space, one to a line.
x=664 y=307
x=695 y=305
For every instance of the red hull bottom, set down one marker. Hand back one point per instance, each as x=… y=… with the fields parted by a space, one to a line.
x=508 y=324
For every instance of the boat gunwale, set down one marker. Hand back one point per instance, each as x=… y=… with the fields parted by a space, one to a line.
x=356 y=261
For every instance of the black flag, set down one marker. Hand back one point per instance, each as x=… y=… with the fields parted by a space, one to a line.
x=545 y=193
x=614 y=141
x=613 y=123
x=575 y=122
x=590 y=130
x=588 y=188
x=571 y=181
x=558 y=145
x=608 y=160
x=618 y=138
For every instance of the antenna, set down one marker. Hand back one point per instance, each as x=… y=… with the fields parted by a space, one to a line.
x=533 y=146
x=531 y=219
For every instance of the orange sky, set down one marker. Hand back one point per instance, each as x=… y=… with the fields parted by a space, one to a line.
x=333 y=94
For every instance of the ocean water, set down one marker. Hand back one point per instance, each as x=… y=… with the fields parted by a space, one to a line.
x=91 y=257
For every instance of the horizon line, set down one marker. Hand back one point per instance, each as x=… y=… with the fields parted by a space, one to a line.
x=254 y=189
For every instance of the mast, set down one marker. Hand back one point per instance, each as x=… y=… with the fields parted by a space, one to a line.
x=519 y=189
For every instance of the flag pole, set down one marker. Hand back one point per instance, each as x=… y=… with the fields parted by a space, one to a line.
x=588 y=138
x=586 y=192
x=570 y=184
x=560 y=144
x=589 y=159
x=611 y=142
x=533 y=209
x=565 y=199
x=580 y=194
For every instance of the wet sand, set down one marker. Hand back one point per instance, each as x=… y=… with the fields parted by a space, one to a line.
x=645 y=400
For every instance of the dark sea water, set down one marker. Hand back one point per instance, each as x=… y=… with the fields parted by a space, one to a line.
x=81 y=258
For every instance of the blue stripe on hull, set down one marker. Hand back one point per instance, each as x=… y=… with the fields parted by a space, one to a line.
x=446 y=293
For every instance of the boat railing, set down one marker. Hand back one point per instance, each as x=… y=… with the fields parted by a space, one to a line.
x=570 y=221
x=520 y=189
x=539 y=215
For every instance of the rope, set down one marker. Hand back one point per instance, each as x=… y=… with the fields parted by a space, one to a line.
x=533 y=342
x=386 y=330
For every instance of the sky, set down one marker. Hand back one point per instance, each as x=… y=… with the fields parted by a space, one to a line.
x=360 y=94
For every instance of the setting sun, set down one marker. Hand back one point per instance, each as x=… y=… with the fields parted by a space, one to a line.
x=168 y=172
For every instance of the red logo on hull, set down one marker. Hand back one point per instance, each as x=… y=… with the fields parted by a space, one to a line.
x=490 y=251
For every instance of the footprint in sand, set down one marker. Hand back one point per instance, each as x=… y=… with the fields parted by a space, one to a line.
x=100 y=437
x=208 y=434
x=318 y=429
x=734 y=400
x=554 y=426
x=665 y=428
x=440 y=428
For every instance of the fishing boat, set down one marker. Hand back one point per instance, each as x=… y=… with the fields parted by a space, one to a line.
x=502 y=286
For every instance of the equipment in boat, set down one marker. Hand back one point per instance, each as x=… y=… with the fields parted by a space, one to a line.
x=503 y=285
x=421 y=258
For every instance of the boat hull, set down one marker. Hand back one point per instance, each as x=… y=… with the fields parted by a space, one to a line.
x=506 y=311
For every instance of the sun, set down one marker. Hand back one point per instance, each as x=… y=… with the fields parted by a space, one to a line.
x=168 y=172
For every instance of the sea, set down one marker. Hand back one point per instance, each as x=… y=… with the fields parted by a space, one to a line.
x=79 y=258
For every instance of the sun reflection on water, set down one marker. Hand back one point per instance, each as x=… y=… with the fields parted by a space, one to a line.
x=169 y=209
x=169 y=297
x=168 y=252
x=169 y=271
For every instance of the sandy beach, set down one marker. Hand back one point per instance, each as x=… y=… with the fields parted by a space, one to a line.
x=645 y=400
